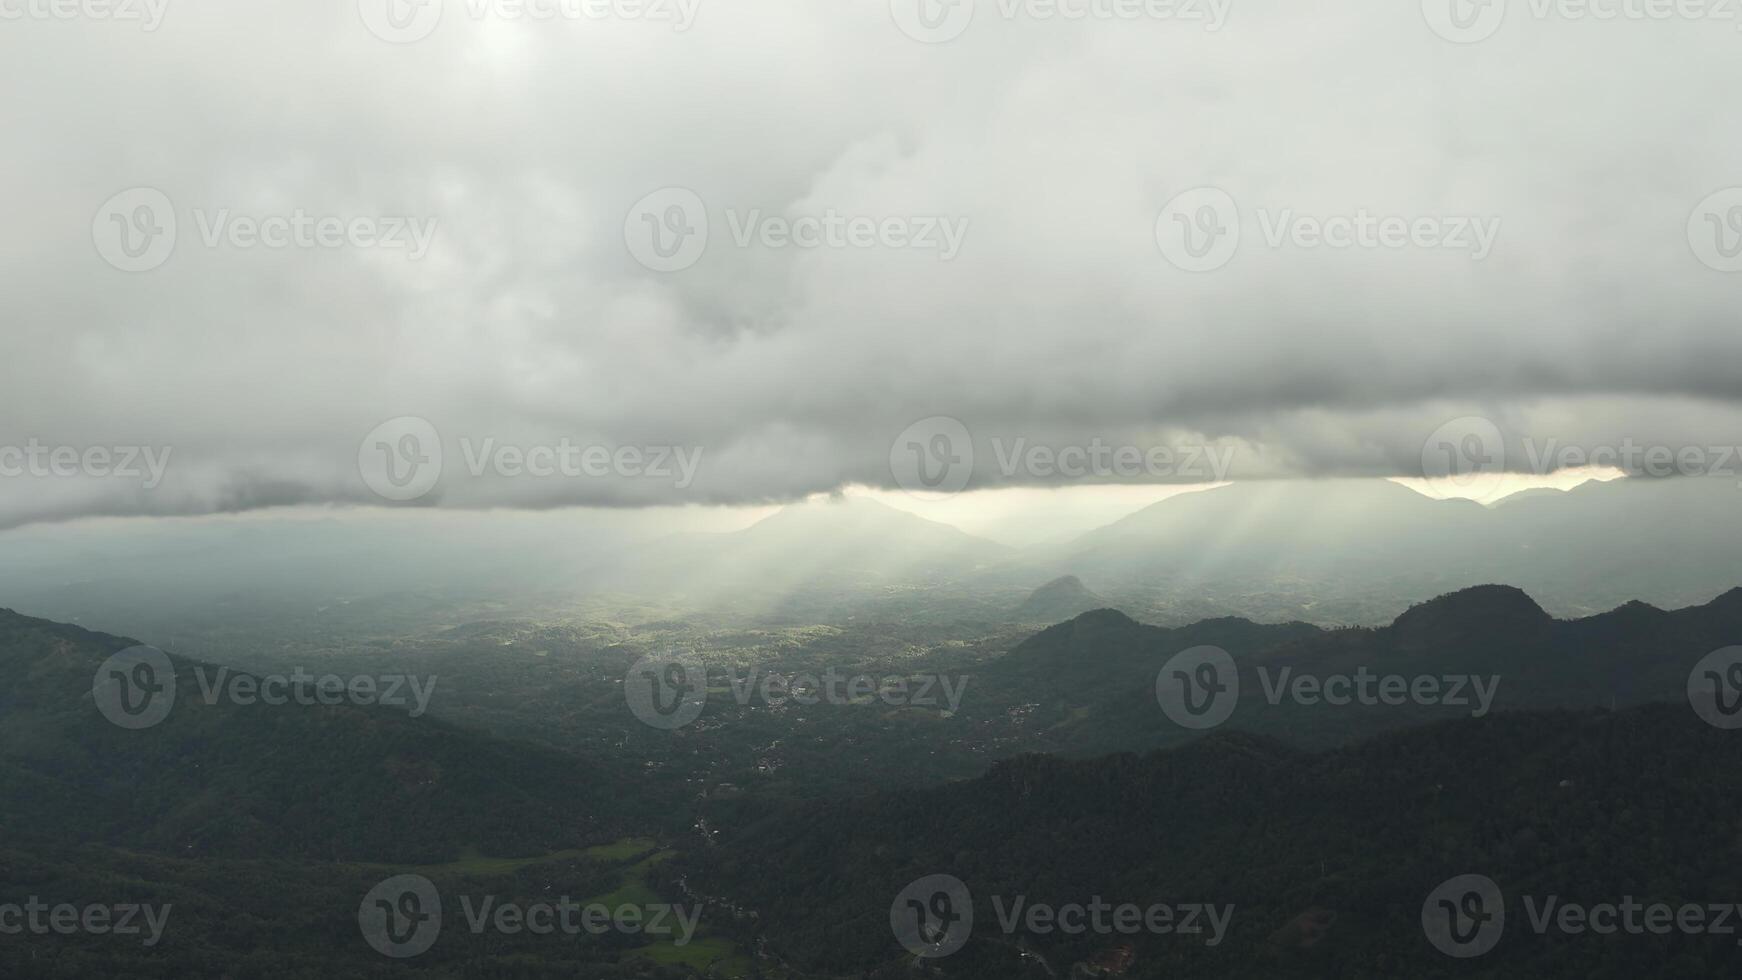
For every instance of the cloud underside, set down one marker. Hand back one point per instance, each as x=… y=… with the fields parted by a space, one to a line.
x=1591 y=321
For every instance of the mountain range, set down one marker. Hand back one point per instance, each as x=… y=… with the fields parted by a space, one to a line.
x=1331 y=552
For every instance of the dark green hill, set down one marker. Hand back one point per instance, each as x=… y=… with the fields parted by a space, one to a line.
x=1092 y=681
x=1060 y=599
x=342 y=782
x=1591 y=806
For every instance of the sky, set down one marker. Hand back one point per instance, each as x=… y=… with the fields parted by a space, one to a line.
x=473 y=254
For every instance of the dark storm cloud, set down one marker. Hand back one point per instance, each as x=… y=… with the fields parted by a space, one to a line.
x=1523 y=219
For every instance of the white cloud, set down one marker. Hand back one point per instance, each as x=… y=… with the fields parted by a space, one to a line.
x=1058 y=143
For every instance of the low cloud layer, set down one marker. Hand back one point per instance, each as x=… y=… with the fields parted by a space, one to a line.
x=495 y=224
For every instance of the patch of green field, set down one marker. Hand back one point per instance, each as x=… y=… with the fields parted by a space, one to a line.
x=699 y=954
x=704 y=950
x=635 y=890
x=626 y=848
x=1077 y=714
x=473 y=862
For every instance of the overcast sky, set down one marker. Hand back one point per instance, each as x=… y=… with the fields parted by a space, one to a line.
x=522 y=231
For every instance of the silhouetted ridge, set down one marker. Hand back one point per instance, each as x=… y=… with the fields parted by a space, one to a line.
x=1635 y=614
x=1058 y=600
x=1730 y=602
x=1103 y=619
x=1484 y=608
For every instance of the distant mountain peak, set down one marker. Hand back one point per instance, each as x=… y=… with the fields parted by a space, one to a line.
x=1729 y=600
x=1104 y=619
x=1063 y=598
x=1484 y=607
